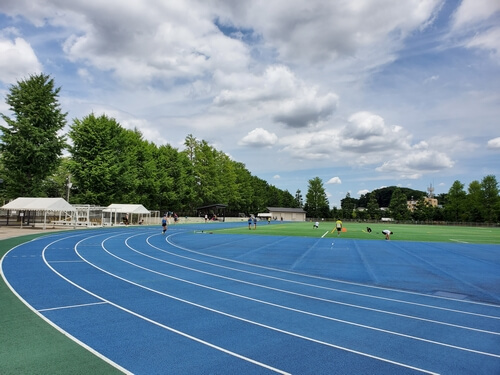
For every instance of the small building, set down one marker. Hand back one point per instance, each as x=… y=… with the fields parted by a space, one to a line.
x=287 y=214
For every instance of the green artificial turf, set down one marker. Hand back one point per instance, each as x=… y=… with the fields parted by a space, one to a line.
x=28 y=345
x=401 y=232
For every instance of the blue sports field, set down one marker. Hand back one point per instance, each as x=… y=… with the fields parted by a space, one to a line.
x=192 y=302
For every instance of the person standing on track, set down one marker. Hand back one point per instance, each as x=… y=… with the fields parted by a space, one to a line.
x=164 y=223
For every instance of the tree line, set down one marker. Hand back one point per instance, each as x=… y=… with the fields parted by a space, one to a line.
x=99 y=162
x=479 y=204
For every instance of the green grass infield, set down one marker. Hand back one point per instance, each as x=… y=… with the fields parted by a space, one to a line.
x=353 y=230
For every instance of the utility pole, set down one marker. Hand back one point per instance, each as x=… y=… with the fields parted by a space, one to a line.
x=68 y=187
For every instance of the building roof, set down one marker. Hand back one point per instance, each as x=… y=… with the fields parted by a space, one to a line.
x=38 y=204
x=286 y=209
x=126 y=208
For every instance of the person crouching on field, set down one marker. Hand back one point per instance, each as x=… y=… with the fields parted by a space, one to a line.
x=387 y=234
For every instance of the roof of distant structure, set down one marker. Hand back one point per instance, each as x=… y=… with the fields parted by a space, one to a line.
x=38 y=204
x=286 y=209
x=127 y=208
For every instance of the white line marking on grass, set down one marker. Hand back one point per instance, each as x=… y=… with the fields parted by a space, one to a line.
x=451 y=239
x=72 y=306
x=324 y=234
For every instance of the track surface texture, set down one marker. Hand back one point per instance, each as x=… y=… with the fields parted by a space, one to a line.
x=195 y=302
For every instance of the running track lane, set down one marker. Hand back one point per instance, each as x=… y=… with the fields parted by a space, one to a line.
x=150 y=306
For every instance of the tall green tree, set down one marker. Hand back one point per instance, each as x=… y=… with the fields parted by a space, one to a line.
x=101 y=166
x=474 y=202
x=288 y=200
x=299 y=202
x=30 y=144
x=490 y=198
x=423 y=210
x=170 y=180
x=455 y=205
x=398 y=207
x=348 y=205
x=372 y=207
x=190 y=142
x=316 y=200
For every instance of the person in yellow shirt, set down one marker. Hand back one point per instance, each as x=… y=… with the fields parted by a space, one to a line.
x=338 y=226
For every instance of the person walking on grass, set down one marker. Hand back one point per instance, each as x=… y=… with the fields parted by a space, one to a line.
x=250 y=223
x=338 y=226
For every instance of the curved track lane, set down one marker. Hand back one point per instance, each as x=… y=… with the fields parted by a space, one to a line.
x=150 y=303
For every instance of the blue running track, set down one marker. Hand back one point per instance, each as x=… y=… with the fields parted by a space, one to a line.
x=195 y=303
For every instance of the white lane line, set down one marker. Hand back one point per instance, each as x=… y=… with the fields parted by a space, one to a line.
x=229 y=315
x=324 y=234
x=331 y=280
x=51 y=323
x=72 y=306
x=324 y=287
x=148 y=319
x=299 y=294
x=271 y=304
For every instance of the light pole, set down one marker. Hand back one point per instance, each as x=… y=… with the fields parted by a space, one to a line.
x=68 y=187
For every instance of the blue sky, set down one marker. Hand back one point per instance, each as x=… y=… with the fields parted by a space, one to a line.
x=360 y=93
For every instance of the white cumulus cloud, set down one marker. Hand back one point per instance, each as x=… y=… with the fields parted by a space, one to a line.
x=494 y=143
x=259 y=138
x=17 y=60
x=334 y=180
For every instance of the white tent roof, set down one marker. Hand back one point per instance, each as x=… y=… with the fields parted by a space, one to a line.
x=39 y=204
x=264 y=214
x=127 y=208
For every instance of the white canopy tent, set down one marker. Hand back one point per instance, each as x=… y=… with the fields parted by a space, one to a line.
x=42 y=205
x=125 y=209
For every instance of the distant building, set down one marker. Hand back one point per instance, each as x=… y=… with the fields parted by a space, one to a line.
x=287 y=214
x=412 y=204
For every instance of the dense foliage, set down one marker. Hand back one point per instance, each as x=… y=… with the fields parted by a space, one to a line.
x=111 y=164
x=316 y=200
x=30 y=145
x=480 y=203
